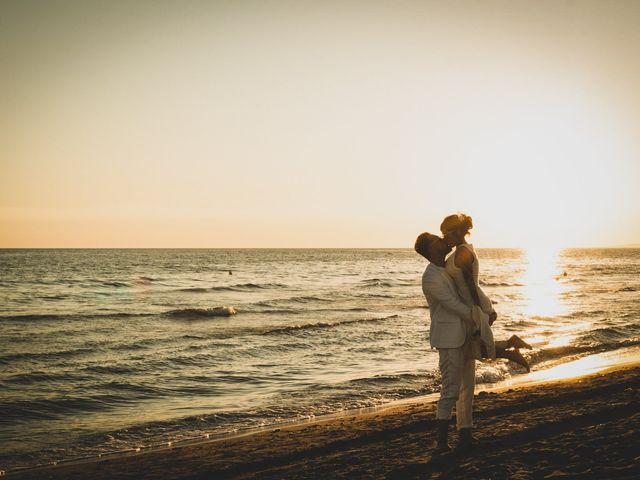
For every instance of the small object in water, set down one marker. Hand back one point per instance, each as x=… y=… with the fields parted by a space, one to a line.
x=223 y=311
x=564 y=274
x=230 y=272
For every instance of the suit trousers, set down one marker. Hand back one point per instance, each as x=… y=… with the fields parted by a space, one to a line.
x=458 y=384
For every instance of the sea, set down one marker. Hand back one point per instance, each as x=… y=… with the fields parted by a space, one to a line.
x=105 y=351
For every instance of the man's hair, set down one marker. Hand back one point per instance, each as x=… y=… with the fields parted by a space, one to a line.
x=423 y=242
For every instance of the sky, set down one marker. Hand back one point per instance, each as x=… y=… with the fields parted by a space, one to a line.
x=318 y=124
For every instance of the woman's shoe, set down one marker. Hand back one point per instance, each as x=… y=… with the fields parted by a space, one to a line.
x=516 y=356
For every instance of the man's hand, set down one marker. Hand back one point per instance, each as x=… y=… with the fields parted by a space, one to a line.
x=492 y=317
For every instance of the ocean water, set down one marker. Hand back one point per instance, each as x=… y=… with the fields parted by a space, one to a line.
x=105 y=351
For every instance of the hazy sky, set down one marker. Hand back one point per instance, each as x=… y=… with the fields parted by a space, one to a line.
x=318 y=124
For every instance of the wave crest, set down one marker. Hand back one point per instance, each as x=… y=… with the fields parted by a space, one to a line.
x=202 y=312
x=322 y=325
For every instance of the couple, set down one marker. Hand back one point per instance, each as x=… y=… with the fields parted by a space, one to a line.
x=461 y=319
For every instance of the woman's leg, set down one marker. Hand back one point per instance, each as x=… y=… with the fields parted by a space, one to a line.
x=514 y=356
x=516 y=342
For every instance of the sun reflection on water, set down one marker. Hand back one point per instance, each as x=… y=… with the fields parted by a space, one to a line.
x=561 y=340
x=564 y=334
x=541 y=290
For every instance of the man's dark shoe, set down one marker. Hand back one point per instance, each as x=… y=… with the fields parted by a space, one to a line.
x=442 y=433
x=465 y=443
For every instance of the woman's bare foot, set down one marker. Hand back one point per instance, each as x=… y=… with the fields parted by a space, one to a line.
x=516 y=342
x=516 y=356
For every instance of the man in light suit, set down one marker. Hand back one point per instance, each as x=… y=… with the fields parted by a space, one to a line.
x=447 y=333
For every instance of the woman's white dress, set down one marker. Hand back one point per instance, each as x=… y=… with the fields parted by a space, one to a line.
x=480 y=313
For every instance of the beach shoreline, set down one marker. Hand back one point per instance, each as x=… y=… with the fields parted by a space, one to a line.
x=395 y=440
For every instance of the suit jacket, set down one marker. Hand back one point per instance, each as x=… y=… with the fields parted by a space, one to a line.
x=448 y=313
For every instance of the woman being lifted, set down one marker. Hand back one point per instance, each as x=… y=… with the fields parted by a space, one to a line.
x=462 y=265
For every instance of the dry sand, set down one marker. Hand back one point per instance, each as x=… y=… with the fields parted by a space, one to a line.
x=587 y=427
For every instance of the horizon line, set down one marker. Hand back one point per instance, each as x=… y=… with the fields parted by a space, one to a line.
x=301 y=248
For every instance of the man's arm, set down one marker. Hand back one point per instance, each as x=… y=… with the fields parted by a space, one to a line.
x=441 y=292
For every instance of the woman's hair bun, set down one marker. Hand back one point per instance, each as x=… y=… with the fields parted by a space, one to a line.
x=457 y=221
x=466 y=221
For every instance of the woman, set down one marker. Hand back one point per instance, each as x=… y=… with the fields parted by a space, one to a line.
x=462 y=265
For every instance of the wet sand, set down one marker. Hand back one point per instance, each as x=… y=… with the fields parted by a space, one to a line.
x=586 y=427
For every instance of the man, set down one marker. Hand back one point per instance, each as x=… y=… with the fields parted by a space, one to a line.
x=448 y=333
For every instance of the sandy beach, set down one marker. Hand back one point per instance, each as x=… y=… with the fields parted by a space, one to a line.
x=583 y=427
